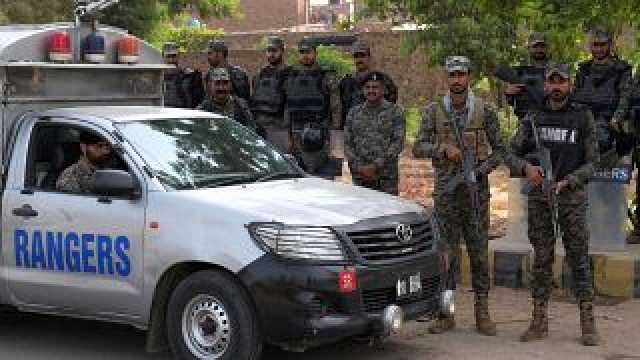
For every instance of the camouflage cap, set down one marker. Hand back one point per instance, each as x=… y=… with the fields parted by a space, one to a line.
x=361 y=47
x=169 y=48
x=307 y=43
x=537 y=38
x=559 y=69
x=275 y=42
x=458 y=63
x=219 y=74
x=601 y=36
x=217 y=45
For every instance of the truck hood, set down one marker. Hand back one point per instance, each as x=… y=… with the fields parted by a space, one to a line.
x=310 y=201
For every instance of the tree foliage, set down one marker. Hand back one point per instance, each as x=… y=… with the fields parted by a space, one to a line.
x=140 y=17
x=206 y=8
x=328 y=57
x=33 y=11
x=490 y=31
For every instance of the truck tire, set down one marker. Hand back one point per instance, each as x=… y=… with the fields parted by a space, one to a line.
x=210 y=317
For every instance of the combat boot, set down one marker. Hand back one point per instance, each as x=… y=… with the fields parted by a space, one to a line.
x=590 y=336
x=484 y=325
x=443 y=324
x=539 y=328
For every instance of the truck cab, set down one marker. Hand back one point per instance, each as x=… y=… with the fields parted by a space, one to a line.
x=196 y=229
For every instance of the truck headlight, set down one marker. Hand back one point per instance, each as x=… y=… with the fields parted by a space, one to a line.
x=299 y=242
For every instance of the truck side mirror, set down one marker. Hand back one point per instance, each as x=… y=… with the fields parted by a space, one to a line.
x=115 y=183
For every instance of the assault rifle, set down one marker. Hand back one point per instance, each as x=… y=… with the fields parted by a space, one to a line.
x=542 y=158
x=468 y=176
x=533 y=86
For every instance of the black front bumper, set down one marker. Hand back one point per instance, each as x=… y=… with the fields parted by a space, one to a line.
x=299 y=305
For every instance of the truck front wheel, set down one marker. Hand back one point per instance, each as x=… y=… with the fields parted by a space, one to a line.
x=209 y=317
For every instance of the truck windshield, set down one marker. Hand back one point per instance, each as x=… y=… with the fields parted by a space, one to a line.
x=203 y=153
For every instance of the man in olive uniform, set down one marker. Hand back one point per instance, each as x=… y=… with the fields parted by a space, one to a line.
x=568 y=131
x=312 y=108
x=267 y=101
x=531 y=74
x=351 y=86
x=603 y=83
x=217 y=55
x=183 y=86
x=478 y=127
x=374 y=137
x=222 y=101
x=80 y=177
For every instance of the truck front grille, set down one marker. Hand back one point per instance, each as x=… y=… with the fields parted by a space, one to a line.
x=383 y=245
x=378 y=299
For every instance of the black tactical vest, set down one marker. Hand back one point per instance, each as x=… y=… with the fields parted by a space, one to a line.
x=172 y=89
x=240 y=82
x=268 y=95
x=351 y=92
x=305 y=93
x=562 y=132
x=598 y=87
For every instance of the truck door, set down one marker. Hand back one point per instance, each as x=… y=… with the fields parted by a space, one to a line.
x=70 y=252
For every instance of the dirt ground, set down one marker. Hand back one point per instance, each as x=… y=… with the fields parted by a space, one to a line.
x=35 y=337
x=618 y=322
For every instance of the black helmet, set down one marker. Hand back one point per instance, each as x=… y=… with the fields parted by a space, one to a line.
x=312 y=139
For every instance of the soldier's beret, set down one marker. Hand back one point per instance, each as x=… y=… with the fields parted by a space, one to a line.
x=373 y=76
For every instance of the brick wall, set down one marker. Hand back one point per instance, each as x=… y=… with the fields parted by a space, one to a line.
x=264 y=15
x=416 y=83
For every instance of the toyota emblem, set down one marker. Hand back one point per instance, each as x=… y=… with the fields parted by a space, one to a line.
x=404 y=233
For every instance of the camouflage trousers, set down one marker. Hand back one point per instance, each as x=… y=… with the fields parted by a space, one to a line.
x=387 y=180
x=455 y=216
x=572 y=211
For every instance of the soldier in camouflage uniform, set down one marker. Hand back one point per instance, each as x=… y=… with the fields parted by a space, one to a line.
x=221 y=101
x=217 y=54
x=436 y=139
x=312 y=108
x=267 y=101
x=79 y=178
x=183 y=86
x=603 y=83
x=568 y=130
x=351 y=86
x=374 y=137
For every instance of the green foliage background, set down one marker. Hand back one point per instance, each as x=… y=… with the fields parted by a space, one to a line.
x=495 y=31
x=150 y=19
x=329 y=57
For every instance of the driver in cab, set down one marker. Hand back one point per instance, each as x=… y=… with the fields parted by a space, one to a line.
x=79 y=178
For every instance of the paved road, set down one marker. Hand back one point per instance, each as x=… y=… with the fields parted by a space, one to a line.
x=32 y=337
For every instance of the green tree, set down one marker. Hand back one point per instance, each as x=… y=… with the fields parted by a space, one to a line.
x=490 y=31
x=206 y=8
x=139 y=17
x=33 y=12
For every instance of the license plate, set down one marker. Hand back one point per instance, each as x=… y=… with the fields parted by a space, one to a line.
x=408 y=286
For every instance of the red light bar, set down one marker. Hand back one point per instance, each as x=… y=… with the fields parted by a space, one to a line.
x=128 y=50
x=59 y=47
